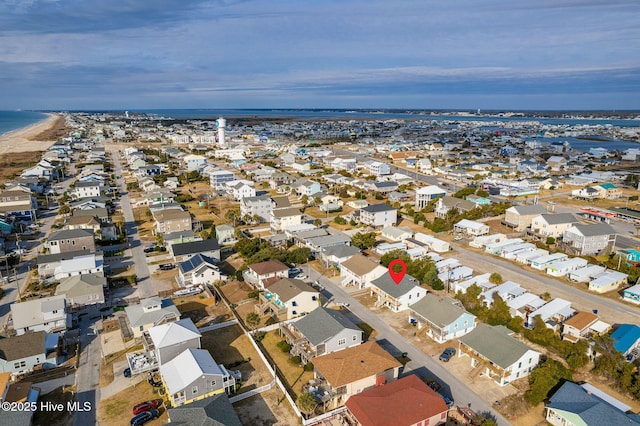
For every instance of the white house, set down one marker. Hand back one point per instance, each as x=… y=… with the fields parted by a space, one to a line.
x=607 y=281
x=47 y=314
x=193 y=161
x=87 y=189
x=428 y=193
x=378 y=215
x=396 y=297
x=377 y=168
x=470 y=228
x=552 y=225
x=360 y=270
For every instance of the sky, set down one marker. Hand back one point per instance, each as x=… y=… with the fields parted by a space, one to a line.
x=445 y=54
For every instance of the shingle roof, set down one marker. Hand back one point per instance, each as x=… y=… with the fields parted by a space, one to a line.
x=360 y=265
x=213 y=411
x=195 y=247
x=48 y=258
x=137 y=316
x=386 y=284
x=406 y=401
x=529 y=209
x=321 y=324
x=267 y=267
x=376 y=208
x=70 y=233
x=288 y=288
x=439 y=310
x=496 y=344
x=185 y=369
x=355 y=363
x=595 y=229
x=286 y=212
x=26 y=345
x=558 y=218
x=581 y=320
x=591 y=409
x=173 y=333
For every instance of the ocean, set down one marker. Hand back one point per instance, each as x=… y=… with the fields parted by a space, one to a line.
x=14 y=120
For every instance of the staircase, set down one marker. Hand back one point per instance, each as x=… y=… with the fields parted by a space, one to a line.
x=477 y=370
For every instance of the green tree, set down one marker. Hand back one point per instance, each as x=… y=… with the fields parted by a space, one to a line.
x=317 y=223
x=304 y=200
x=252 y=320
x=395 y=254
x=64 y=209
x=543 y=379
x=495 y=278
x=462 y=193
x=339 y=220
x=550 y=241
x=364 y=240
x=306 y=402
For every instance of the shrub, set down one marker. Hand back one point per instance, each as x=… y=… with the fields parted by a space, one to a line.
x=254 y=294
x=295 y=360
x=284 y=346
x=308 y=367
x=259 y=336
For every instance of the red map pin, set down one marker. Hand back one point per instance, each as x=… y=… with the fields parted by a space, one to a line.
x=397 y=276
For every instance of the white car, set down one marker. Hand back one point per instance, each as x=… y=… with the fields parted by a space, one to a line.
x=301 y=277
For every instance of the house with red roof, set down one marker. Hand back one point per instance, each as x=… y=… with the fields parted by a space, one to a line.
x=404 y=402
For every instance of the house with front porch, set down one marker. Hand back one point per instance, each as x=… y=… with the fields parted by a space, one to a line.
x=169 y=340
x=19 y=205
x=360 y=270
x=198 y=270
x=322 y=331
x=339 y=375
x=583 y=325
x=288 y=298
x=261 y=275
x=195 y=375
x=520 y=217
x=552 y=225
x=24 y=353
x=396 y=297
x=45 y=314
x=497 y=355
x=443 y=318
x=149 y=313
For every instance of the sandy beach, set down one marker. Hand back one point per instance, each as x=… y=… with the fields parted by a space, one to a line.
x=20 y=140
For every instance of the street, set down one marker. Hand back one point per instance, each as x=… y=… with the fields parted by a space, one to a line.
x=420 y=364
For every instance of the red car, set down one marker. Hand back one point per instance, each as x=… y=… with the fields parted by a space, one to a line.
x=146 y=406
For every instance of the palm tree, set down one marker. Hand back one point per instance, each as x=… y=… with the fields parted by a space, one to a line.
x=306 y=402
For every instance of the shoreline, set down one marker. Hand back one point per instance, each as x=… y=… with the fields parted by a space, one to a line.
x=19 y=140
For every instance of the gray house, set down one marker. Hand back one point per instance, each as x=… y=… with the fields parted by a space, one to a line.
x=149 y=313
x=170 y=340
x=322 y=331
x=71 y=240
x=214 y=411
x=82 y=290
x=209 y=248
x=589 y=239
x=21 y=354
x=259 y=205
x=194 y=375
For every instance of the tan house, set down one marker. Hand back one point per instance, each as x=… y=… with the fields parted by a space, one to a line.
x=520 y=217
x=360 y=270
x=263 y=274
x=172 y=220
x=581 y=325
x=342 y=374
x=288 y=298
x=71 y=240
x=552 y=225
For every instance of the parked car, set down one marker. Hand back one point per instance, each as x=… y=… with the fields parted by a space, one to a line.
x=433 y=384
x=294 y=271
x=127 y=372
x=149 y=249
x=301 y=277
x=166 y=266
x=146 y=406
x=447 y=400
x=144 y=417
x=446 y=355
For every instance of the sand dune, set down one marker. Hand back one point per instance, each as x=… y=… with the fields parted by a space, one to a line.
x=20 y=140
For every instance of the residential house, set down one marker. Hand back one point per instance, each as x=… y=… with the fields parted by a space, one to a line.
x=225 y=234
x=306 y=187
x=340 y=375
x=377 y=168
x=520 y=217
x=322 y=331
x=184 y=251
x=214 y=410
x=263 y=274
x=582 y=325
x=149 y=313
x=552 y=225
x=444 y=318
x=288 y=298
x=258 y=206
x=194 y=375
x=556 y=163
x=239 y=189
x=172 y=220
x=82 y=290
x=626 y=339
x=87 y=189
x=378 y=215
x=78 y=265
x=586 y=193
x=149 y=170
x=171 y=339
x=396 y=297
x=632 y=294
x=496 y=354
x=470 y=228
x=359 y=270
x=564 y=267
x=179 y=237
x=20 y=205
x=100 y=213
x=68 y=240
x=609 y=191
x=83 y=222
x=444 y=204
x=198 y=270
x=380 y=187
x=194 y=161
x=589 y=239
x=26 y=352
x=406 y=401
x=337 y=255
x=284 y=218
x=392 y=233
x=607 y=281
x=586 y=273
x=47 y=263
x=552 y=313
x=574 y=404
x=45 y=314
x=427 y=194
x=220 y=178
x=432 y=243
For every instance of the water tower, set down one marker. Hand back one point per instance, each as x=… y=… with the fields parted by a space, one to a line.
x=221 y=122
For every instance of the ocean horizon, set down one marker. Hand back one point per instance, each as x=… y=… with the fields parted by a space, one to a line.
x=14 y=120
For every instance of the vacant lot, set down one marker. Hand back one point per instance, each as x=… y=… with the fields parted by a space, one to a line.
x=231 y=347
x=13 y=163
x=294 y=374
x=203 y=310
x=117 y=410
x=270 y=408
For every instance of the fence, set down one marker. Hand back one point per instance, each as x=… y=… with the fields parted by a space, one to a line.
x=217 y=326
x=252 y=392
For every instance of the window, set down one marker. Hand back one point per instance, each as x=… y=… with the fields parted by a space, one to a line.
x=16 y=365
x=342 y=341
x=142 y=328
x=354 y=338
x=23 y=363
x=213 y=383
x=519 y=365
x=194 y=390
x=294 y=303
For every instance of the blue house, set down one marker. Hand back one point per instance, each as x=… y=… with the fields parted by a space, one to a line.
x=626 y=338
x=5 y=227
x=632 y=294
x=444 y=318
x=632 y=256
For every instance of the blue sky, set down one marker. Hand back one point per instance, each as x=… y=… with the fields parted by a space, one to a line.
x=466 y=54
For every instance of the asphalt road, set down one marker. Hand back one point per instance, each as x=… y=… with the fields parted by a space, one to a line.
x=420 y=364
x=145 y=285
x=88 y=372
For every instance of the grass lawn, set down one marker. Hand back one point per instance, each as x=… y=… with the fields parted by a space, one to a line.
x=202 y=310
x=295 y=376
x=231 y=347
x=117 y=410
